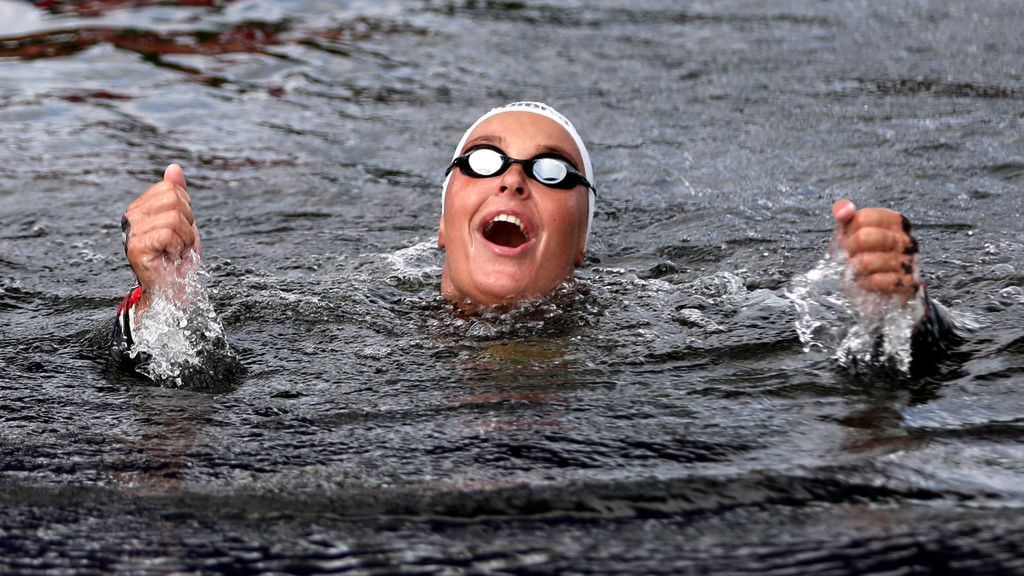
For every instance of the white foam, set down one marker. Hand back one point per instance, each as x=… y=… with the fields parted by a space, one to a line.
x=179 y=329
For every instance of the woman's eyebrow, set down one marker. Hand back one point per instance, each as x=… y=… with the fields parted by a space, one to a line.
x=484 y=139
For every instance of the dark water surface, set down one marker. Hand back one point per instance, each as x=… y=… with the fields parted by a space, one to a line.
x=661 y=417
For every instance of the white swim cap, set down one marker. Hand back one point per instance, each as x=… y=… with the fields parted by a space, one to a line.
x=548 y=112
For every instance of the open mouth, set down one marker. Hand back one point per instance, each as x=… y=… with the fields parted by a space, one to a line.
x=506 y=230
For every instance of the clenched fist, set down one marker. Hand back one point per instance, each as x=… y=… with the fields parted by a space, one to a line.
x=882 y=255
x=159 y=230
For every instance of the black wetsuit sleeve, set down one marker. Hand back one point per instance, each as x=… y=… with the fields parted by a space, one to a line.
x=934 y=337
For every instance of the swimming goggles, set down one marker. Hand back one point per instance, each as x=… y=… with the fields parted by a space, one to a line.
x=549 y=169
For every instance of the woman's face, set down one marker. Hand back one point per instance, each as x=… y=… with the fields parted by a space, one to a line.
x=509 y=237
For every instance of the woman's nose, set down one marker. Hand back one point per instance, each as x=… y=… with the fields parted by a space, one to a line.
x=514 y=179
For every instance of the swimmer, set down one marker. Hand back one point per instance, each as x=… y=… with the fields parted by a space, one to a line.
x=517 y=204
x=516 y=207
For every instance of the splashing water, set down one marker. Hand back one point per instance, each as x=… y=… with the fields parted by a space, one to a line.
x=180 y=333
x=859 y=327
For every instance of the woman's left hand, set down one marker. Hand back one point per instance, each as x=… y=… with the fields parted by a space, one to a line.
x=881 y=253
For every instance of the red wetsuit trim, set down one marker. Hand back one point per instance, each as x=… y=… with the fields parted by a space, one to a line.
x=129 y=301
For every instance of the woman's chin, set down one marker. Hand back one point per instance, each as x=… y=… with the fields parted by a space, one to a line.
x=490 y=293
x=501 y=285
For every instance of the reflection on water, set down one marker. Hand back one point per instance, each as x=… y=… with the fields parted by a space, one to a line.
x=152 y=455
x=658 y=416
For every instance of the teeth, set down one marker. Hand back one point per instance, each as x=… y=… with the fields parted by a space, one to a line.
x=512 y=220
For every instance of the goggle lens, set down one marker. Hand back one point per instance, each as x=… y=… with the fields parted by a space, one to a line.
x=485 y=162
x=550 y=171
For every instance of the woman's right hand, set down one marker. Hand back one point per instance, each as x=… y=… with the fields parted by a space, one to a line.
x=159 y=230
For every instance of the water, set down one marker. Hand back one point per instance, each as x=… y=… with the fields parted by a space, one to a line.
x=660 y=416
